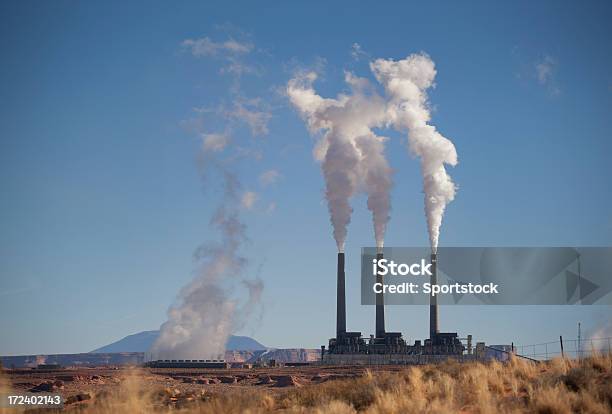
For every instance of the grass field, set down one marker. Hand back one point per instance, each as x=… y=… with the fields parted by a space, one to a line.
x=558 y=386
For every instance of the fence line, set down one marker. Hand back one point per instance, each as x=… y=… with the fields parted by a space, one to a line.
x=572 y=348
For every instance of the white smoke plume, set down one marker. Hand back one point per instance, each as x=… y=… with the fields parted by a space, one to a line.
x=351 y=155
x=377 y=182
x=406 y=82
x=205 y=315
x=206 y=311
x=600 y=340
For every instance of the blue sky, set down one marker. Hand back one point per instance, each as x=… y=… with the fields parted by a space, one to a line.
x=103 y=204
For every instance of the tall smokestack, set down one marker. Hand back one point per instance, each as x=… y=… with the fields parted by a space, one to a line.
x=433 y=300
x=380 y=305
x=340 y=299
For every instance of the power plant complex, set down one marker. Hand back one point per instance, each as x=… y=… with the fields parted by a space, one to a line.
x=389 y=347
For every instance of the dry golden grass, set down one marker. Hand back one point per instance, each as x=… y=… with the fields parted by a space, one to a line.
x=559 y=386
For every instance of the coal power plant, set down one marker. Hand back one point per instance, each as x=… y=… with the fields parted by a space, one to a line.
x=353 y=161
x=389 y=347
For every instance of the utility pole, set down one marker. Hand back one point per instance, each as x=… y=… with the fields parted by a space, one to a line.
x=579 y=343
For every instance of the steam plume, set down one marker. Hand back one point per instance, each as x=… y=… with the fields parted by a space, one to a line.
x=406 y=82
x=351 y=155
x=205 y=313
x=377 y=182
x=201 y=322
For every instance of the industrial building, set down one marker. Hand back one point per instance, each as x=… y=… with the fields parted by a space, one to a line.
x=389 y=347
x=189 y=363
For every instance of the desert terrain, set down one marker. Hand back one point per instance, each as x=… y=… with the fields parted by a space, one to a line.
x=557 y=386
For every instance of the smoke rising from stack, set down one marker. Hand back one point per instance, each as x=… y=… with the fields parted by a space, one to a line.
x=351 y=154
x=377 y=181
x=406 y=82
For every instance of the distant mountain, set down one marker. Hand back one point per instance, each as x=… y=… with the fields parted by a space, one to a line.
x=142 y=341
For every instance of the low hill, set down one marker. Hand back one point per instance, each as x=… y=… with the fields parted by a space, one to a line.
x=142 y=341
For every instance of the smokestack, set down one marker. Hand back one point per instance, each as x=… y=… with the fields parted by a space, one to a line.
x=433 y=300
x=340 y=299
x=380 y=305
